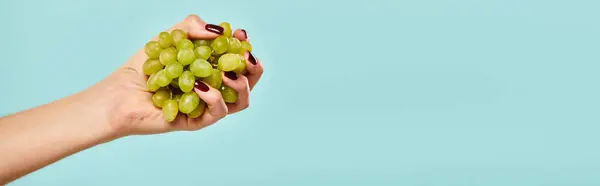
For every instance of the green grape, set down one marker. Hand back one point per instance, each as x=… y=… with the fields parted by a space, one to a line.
x=162 y=79
x=201 y=68
x=203 y=52
x=220 y=45
x=184 y=43
x=188 y=102
x=234 y=45
x=229 y=94
x=226 y=29
x=178 y=35
x=241 y=69
x=168 y=56
x=198 y=110
x=173 y=70
x=152 y=49
x=215 y=79
x=165 y=39
x=160 y=96
x=229 y=61
x=175 y=83
x=177 y=96
x=186 y=81
x=170 y=110
x=152 y=66
x=186 y=56
x=151 y=83
x=246 y=46
x=201 y=42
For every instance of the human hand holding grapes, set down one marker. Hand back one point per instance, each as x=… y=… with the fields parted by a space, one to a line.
x=138 y=101
x=175 y=82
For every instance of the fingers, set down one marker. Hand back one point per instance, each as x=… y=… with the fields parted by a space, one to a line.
x=241 y=34
x=254 y=68
x=253 y=64
x=216 y=108
x=196 y=28
x=240 y=84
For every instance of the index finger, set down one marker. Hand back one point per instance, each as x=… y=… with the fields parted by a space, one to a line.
x=196 y=28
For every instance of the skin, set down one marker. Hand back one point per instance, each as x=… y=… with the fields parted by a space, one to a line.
x=116 y=107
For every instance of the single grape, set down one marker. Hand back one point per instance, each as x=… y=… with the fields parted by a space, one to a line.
x=229 y=61
x=152 y=66
x=168 y=56
x=235 y=46
x=220 y=45
x=201 y=42
x=160 y=96
x=170 y=110
x=241 y=69
x=165 y=39
x=173 y=70
x=226 y=29
x=215 y=79
x=246 y=46
x=152 y=49
x=201 y=68
x=188 y=102
x=178 y=35
x=162 y=79
x=186 y=56
x=151 y=83
x=229 y=94
x=203 y=52
x=198 y=110
x=184 y=43
x=186 y=81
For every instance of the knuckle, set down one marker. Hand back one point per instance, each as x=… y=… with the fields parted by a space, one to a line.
x=223 y=112
x=191 y=18
x=259 y=70
x=213 y=98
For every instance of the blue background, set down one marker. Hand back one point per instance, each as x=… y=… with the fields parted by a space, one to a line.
x=377 y=92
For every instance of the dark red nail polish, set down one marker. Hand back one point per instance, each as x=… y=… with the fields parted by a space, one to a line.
x=251 y=58
x=214 y=29
x=245 y=34
x=231 y=75
x=201 y=86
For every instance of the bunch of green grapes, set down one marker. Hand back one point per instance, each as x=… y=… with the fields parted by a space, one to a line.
x=175 y=63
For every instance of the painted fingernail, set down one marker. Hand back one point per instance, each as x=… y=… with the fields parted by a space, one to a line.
x=245 y=34
x=201 y=86
x=214 y=28
x=231 y=75
x=251 y=58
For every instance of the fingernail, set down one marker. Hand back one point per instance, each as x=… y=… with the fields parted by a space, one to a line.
x=245 y=34
x=251 y=58
x=214 y=28
x=231 y=75
x=201 y=86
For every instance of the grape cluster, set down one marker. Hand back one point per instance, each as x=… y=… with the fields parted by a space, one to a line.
x=175 y=63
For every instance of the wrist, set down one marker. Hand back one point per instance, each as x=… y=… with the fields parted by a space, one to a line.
x=94 y=111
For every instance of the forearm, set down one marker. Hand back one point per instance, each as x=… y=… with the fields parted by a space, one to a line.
x=34 y=138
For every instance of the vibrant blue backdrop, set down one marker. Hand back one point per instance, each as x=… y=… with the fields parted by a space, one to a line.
x=377 y=92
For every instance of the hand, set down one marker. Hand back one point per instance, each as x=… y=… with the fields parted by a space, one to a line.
x=133 y=112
